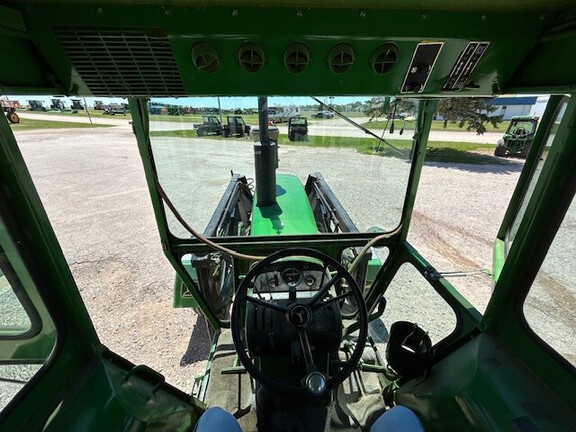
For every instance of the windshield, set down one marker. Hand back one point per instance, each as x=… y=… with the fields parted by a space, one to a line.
x=199 y=144
x=522 y=127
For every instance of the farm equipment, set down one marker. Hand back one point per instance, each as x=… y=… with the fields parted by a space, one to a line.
x=330 y=297
x=9 y=108
x=76 y=105
x=175 y=110
x=36 y=105
x=57 y=105
x=518 y=137
x=298 y=129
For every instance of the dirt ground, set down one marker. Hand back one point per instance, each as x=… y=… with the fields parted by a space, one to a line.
x=92 y=185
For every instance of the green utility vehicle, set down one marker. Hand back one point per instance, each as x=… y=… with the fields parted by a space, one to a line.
x=333 y=296
x=518 y=137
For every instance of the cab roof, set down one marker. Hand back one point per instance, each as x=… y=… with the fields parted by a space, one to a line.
x=409 y=48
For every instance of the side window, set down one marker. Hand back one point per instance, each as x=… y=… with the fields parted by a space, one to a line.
x=27 y=334
x=14 y=319
x=550 y=305
x=408 y=296
x=511 y=234
x=460 y=207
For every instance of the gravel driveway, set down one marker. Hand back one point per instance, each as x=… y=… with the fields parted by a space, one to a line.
x=93 y=187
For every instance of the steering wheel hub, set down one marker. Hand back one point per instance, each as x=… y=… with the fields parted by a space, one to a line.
x=299 y=315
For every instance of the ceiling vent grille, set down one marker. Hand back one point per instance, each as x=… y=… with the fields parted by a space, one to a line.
x=384 y=59
x=251 y=57
x=341 y=58
x=205 y=57
x=122 y=62
x=296 y=58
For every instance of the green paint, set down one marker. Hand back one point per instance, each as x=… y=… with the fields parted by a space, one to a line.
x=291 y=214
x=502 y=379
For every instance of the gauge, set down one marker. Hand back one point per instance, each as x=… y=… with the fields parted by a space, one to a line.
x=310 y=280
x=292 y=276
x=273 y=282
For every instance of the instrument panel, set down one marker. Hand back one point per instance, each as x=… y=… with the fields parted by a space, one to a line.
x=291 y=276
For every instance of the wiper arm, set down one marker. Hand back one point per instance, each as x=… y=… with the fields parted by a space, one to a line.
x=362 y=128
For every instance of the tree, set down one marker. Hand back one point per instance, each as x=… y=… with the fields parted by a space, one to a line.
x=381 y=106
x=472 y=112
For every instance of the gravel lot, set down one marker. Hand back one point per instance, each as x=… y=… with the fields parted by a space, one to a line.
x=93 y=188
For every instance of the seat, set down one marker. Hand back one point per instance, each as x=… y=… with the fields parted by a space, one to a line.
x=520 y=131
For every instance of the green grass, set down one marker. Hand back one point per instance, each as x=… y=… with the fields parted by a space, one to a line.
x=462 y=153
x=29 y=124
x=438 y=151
x=180 y=133
x=437 y=125
x=186 y=118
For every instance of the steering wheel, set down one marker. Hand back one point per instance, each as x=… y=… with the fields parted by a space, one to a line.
x=299 y=314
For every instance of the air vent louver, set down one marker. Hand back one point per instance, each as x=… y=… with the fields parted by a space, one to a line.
x=205 y=57
x=341 y=58
x=122 y=62
x=384 y=59
x=251 y=57
x=296 y=58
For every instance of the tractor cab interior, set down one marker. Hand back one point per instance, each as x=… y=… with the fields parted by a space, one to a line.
x=322 y=315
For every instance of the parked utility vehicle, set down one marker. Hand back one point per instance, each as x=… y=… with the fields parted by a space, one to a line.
x=114 y=108
x=323 y=115
x=210 y=126
x=235 y=127
x=298 y=129
x=518 y=137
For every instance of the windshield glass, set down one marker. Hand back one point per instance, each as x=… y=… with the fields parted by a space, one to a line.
x=522 y=127
x=199 y=143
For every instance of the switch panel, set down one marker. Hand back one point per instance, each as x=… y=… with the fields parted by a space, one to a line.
x=465 y=65
x=421 y=67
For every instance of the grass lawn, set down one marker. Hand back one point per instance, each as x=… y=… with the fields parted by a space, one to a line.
x=29 y=124
x=437 y=125
x=438 y=151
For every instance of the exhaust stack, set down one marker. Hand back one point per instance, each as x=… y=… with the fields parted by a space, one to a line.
x=265 y=159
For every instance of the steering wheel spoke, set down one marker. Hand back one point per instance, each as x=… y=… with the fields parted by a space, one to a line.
x=339 y=297
x=325 y=289
x=267 y=304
